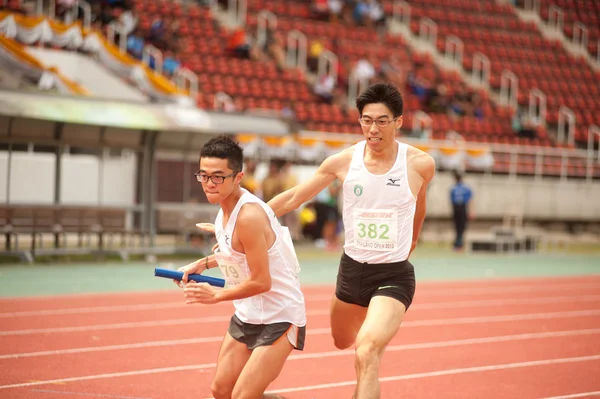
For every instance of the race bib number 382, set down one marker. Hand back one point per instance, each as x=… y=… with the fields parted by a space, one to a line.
x=375 y=229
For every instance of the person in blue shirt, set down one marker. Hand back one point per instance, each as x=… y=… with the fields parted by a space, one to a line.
x=460 y=196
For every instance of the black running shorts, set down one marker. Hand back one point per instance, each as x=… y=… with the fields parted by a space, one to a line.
x=255 y=335
x=358 y=282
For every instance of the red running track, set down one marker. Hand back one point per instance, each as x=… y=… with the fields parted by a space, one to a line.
x=511 y=338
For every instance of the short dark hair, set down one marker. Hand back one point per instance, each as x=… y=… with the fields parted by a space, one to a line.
x=458 y=176
x=386 y=93
x=223 y=147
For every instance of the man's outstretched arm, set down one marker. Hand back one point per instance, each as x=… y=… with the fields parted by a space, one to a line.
x=294 y=197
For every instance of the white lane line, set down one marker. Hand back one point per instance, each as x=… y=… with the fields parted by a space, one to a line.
x=446 y=372
x=215 y=319
x=321 y=355
x=433 y=305
x=577 y=395
x=314 y=331
x=429 y=292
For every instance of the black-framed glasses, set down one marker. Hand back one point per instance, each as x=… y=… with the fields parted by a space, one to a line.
x=202 y=178
x=380 y=122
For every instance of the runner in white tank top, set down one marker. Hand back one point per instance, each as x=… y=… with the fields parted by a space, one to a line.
x=384 y=187
x=284 y=302
x=378 y=210
x=257 y=258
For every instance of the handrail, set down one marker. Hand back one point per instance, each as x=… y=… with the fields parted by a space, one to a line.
x=355 y=86
x=237 y=10
x=264 y=20
x=428 y=31
x=566 y=114
x=296 y=50
x=532 y=6
x=422 y=120
x=72 y=14
x=556 y=18
x=220 y=99
x=151 y=51
x=401 y=13
x=580 y=35
x=480 y=75
x=541 y=112
x=113 y=27
x=454 y=50
x=328 y=62
x=593 y=131
x=509 y=89
x=181 y=76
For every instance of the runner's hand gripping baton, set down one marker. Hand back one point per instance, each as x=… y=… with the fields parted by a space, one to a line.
x=177 y=275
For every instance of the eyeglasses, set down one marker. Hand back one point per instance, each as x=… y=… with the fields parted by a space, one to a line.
x=381 y=122
x=202 y=178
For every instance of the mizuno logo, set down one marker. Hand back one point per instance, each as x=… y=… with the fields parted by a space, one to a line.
x=387 y=286
x=392 y=182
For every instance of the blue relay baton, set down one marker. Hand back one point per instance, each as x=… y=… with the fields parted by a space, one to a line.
x=199 y=278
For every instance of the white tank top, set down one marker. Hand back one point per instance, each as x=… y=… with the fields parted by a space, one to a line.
x=285 y=301
x=378 y=210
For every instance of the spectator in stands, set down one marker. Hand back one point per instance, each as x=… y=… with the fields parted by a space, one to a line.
x=477 y=106
x=375 y=15
x=249 y=180
x=289 y=180
x=360 y=12
x=272 y=185
x=324 y=87
x=328 y=216
x=315 y=49
x=392 y=70
x=239 y=45
x=365 y=68
x=438 y=99
x=171 y=63
x=335 y=9
x=461 y=102
x=135 y=44
x=460 y=197
x=522 y=125
x=320 y=9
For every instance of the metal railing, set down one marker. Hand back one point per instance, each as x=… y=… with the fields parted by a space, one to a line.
x=151 y=51
x=72 y=15
x=328 y=62
x=593 y=131
x=543 y=162
x=480 y=75
x=221 y=99
x=566 y=115
x=509 y=89
x=401 y=13
x=265 y=20
x=428 y=31
x=537 y=110
x=183 y=75
x=116 y=27
x=556 y=18
x=296 y=50
x=454 y=51
x=355 y=86
x=532 y=6
x=580 y=36
x=237 y=11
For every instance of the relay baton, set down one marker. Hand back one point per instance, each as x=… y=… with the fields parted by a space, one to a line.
x=177 y=275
